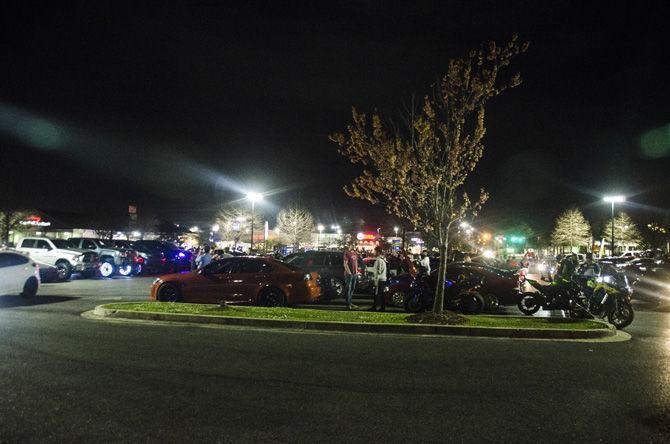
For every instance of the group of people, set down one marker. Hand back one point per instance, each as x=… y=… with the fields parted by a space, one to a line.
x=385 y=265
x=203 y=256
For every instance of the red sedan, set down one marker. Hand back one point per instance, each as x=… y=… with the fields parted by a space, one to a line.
x=240 y=280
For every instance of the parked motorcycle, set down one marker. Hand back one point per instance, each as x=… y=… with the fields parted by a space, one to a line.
x=607 y=296
x=460 y=295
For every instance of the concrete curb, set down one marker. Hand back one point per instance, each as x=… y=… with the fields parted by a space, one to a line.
x=452 y=330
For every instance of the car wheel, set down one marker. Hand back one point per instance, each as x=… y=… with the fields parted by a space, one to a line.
x=30 y=288
x=168 y=293
x=137 y=269
x=106 y=269
x=337 y=287
x=472 y=303
x=64 y=270
x=397 y=298
x=272 y=297
x=491 y=302
x=125 y=270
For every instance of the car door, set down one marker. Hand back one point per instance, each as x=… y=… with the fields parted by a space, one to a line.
x=211 y=284
x=248 y=279
x=13 y=272
x=7 y=278
x=45 y=251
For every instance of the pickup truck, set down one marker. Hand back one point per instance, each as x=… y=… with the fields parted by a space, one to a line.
x=112 y=259
x=61 y=254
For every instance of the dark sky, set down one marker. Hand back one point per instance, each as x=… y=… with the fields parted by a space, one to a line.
x=180 y=108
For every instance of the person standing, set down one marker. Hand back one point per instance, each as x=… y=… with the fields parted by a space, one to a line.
x=379 y=277
x=204 y=258
x=350 y=275
x=425 y=263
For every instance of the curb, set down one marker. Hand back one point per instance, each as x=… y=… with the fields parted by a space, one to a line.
x=451 y=330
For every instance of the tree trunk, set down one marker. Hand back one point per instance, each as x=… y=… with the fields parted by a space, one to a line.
x=438 y=306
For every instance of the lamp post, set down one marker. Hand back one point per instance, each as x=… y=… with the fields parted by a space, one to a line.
x=612 y=200
x=253 y=197
x=318 y=239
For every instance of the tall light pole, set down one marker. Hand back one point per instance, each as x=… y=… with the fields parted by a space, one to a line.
x=613 y=200
x=318 y=239
x=253 y=197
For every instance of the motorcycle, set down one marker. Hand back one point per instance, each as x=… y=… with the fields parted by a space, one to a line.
x=606 y=296
x=460 y=295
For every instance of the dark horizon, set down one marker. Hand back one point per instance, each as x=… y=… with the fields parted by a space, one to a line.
x=180 y=109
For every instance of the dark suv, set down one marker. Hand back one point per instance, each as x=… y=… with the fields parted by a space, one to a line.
x=330 y=266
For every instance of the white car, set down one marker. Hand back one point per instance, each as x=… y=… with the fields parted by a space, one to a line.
x=18 y=274
x=61 y=254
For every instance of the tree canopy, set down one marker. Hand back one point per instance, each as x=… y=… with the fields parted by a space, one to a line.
x=418 y=171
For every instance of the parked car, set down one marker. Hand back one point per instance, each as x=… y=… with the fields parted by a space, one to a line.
x=19 y=275
x=172 y=258
x=112 y=259
x=499 y=287
x=145 y=260
x=330 y=267
x=60 y=254
x=240 y=280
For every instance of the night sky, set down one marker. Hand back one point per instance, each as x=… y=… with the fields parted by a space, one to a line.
x=181 y=108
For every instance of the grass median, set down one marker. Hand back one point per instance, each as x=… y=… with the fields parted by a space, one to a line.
x=365 y=317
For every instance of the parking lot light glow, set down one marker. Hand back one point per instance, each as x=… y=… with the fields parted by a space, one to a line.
x=215 y=228
x=254 y=196
x=615 y=199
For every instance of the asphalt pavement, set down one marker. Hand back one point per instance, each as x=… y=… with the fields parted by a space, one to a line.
x=64 y=377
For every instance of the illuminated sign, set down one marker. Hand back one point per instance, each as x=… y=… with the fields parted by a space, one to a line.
x=35 y=221
x=366 y=236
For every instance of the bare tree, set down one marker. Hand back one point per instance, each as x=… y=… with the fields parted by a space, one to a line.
x=235 y=223
x=296 y=225
x=571 y=230
x=419 y=172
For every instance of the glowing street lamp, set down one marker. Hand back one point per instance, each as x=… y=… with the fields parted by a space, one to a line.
x=395 y=230
x=253 y=197
x=612 y=200
x=318 y=239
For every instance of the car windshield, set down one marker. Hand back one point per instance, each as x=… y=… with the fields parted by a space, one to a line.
x=62 y=243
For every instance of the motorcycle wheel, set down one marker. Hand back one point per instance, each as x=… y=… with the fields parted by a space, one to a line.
x=472 y=303
x=529 y=304
x=413 y=305
x=621 y=316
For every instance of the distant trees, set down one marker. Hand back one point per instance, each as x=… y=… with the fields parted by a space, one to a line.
x=626 y=232
x=9 y=220
x=571 y=230
x=295 y=225
x=419 y=171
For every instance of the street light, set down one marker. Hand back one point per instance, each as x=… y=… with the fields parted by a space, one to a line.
x=318 y=239
x=395 y=230
x=253 y=197
x=613 y=200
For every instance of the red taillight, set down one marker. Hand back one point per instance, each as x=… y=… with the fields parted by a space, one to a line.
x=138 y=259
